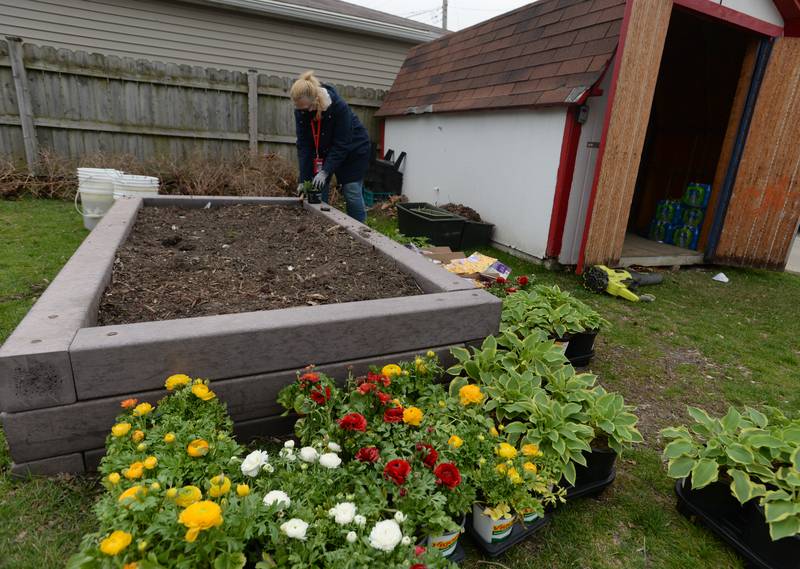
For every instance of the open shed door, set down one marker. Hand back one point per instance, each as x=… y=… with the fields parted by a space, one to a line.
x=764 y=208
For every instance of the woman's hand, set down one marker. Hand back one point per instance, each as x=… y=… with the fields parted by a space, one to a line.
x=300 y=190
x=320 y=180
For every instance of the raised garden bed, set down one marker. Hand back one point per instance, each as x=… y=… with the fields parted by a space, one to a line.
x=62 y=375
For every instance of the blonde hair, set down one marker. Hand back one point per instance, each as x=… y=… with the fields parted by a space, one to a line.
x=308 y=87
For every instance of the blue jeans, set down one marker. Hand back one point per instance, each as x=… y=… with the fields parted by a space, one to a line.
x=353 y=197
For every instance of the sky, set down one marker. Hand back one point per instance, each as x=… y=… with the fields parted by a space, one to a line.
x=461 y=13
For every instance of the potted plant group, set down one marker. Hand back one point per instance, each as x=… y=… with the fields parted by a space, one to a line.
x=313 y=195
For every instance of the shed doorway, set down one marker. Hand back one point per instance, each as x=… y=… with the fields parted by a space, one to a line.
x=702 y=67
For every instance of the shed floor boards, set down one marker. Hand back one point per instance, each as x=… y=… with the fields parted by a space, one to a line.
x=646 y=253
x=793 y=266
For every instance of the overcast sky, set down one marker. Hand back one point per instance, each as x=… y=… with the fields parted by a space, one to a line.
x=461 y=13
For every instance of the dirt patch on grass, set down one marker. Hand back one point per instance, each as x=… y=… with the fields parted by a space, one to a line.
x=180 y=263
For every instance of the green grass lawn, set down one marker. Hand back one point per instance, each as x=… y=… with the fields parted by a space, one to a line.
x=700 y=343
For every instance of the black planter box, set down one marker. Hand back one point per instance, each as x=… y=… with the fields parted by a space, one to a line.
x=580 y=349
x=596 y=476
x=519 y=533
x=475 y=234
x=741 y=526
x=419 y=219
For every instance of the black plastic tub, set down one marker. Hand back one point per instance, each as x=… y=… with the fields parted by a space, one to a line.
x=580 y=349
x=476 y=234
x=596 y=476
x=520 y=533
x=419 y=219
x=741 y=526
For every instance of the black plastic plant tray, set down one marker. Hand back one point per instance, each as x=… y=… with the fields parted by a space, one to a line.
x=592 y=488
x=520 y=533
x=741 y=526
x=459 y=555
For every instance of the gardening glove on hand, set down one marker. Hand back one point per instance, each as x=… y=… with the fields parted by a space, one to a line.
x=320 y=180
x=300 y=190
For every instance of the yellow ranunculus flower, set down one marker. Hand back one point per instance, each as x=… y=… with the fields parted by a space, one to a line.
x=200 y=516
x=202 y=391
x=187 y=496
x=137 y=436
x=197 y=448
x=412 y=416
x=501 y=468
x=431 y=354
x=531 y=450
x=169 y=438
x=150 y=462
x=120 y=429
x=514 y=476
x=155 y=486
x=172 y=492
x=493 y=432
x=141 y=447
x=141 y=545
x=220 y=485
x=132 y=494
x=455 y=441
x=142 y=409
x=506 y=450
x=114 y=478
x=134 y=471
x=530 y=467
x=470 y=394
x=391 y=371
x=131 y=565
x=420 y=366
x=116 y=542
x=178 y=380
x=242 y=490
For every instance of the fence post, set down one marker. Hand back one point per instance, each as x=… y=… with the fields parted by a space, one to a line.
x=252 y=109
x=23 y=102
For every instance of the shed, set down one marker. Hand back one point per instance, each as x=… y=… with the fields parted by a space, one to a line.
x=566 y=121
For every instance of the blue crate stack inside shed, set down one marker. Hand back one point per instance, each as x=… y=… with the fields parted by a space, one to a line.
x=679 y=222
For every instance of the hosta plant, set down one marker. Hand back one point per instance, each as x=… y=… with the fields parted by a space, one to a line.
x=757 y=454
x=550 y=309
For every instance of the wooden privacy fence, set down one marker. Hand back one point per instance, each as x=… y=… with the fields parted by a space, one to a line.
x=75 y=103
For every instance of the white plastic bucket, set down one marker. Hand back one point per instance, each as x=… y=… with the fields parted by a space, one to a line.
x=130 y=186
x=96 y=192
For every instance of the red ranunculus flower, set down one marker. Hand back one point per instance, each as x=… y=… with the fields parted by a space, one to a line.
x=418 y=566
x=431 y=456
x=318 y=396
x=500 y=280
x=368 y=454
x=522 y=280
x=384 y=398
x=397 y=471
x=511 y=289
x=365 y=388
x=353 y=422
x=393 y=415
x=378 y=378
x=309 y=377
x=447 y=473
x=419 y=550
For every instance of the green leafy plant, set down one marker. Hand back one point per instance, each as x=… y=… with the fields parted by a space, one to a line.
x=613 y=422
x=757 y=454
x=550 y=309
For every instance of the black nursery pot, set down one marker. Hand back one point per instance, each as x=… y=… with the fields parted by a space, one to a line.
x=314 y=197
x=598 y=473
x=580 y=349
x=743 y=527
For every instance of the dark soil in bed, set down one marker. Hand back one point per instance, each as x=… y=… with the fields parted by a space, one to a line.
x=179 y=263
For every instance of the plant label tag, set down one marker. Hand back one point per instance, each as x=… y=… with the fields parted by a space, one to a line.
x=562 y=345
x=317 y=165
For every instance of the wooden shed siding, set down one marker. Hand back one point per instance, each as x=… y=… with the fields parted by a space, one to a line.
x=627 y=127
x=764 y=209
x=198 y=35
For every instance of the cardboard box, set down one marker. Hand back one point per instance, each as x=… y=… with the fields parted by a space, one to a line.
x=442 y=255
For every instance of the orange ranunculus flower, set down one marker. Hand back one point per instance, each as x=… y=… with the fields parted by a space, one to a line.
x=129 y=403
x=197 y=448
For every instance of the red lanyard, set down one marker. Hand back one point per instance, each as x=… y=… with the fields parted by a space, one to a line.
x=315 y=133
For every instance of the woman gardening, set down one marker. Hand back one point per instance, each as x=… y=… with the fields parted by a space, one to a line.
x=330 y=140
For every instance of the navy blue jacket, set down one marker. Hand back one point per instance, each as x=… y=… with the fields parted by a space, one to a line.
x=343 y=142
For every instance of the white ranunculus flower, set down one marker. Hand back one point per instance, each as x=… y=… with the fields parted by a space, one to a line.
x=406 y=540
x=330 y=460
x=352 y=537
x=309 y=454
x=334 y=447
x=254 y=462
x=399 y=517
x=289 y=444
x=269 y=468
x=277 y=497
x=295 y=528
x=287 y=454
x=360 y=520
x=385 y=535
x=343 y=513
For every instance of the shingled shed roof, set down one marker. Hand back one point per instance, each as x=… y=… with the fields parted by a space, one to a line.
x=546 y=53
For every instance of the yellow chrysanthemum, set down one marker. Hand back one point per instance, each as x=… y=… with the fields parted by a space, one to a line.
x=530 y=467
x=120 y=429
x=114 y=478
x=187 y=496
x=169 y=438
x=150 y=462
x=200 y=516
x=455 y=441
x=134 y=471
x=116 y=542
x=531 y=450
x=505 y=450
x=242 y=490
x=391 y=370
x=202 y=391
x=220 y=485
x=470 y=394
x=132 y=494
x=142 y=409
x=137 y=436
x=197 y=448
x=412 y=416
x=178 y=380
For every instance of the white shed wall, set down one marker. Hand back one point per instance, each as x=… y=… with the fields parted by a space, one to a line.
x=764 y=10
x=501 y=163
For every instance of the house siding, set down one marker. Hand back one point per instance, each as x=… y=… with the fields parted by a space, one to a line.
x=208 y=37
